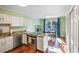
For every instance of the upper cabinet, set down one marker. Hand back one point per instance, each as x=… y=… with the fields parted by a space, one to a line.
x=22 y=21
x=5 y=18
x=18 y=21
x=13 y=20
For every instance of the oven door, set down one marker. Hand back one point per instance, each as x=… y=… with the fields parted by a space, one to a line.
x=32 y=42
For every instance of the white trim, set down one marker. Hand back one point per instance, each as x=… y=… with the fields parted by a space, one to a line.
x=70 y=9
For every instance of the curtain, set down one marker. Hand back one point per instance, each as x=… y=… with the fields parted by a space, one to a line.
x=58 y=28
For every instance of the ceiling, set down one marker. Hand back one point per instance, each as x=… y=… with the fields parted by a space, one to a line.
x=38 y=11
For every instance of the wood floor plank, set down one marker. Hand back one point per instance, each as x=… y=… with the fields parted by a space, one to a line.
x=23 y=49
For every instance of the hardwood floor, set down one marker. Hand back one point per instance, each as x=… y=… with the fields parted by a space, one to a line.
x=23 y=49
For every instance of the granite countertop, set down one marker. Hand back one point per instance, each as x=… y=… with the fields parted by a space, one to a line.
x=18 y=32
x=35 y=34
x=10 y=34
x=28 y=33
x=32 y=34
x=4 y=36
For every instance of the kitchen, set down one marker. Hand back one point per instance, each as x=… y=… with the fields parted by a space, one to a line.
x=18 y=31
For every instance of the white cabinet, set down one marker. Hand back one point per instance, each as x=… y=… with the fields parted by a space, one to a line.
x=18 y=21
x=7 y=18
x=4 y=18
x=42 y=43
x=8 y=43
x=15 y=21
x=1 y=45
x=1 y=18
x=45 y=43
x=24 y=39
x=21 y=21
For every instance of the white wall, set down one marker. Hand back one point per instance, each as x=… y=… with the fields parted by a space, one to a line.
x=38 y=11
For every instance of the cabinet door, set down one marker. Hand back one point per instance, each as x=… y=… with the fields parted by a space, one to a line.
x=21 y=21
x=24 y=39
x=40 y=43
x=4 y=18
x=45 y=43
x=15 y=21
x=1 y=45
x=8 y=43
x=7 y=18
x=1 y=18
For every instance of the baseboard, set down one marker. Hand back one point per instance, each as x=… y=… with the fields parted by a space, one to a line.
x=40 y=51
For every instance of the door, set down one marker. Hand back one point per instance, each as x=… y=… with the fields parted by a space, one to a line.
x=15 y=21
x=8 y=43
x=50 y=25
x=4 y=18
x=78 y=37
x=1 y=18
x=40 y=43
x=72 y=32
x=24 y=39
x=1 y=45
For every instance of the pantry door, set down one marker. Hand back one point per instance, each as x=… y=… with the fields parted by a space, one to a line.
x=72 y=32
x=74 y=27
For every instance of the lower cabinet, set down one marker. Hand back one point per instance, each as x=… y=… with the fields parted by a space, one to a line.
x=6 y=44
x=42 y=43
x=24 y=39
x=1 y=45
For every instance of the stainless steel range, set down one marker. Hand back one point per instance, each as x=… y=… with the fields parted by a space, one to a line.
x=32 y=41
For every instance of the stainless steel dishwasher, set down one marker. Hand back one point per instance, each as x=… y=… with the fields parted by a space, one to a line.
x=17 y=41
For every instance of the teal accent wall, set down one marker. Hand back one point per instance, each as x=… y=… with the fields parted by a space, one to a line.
x=33 y=23
x=42 y=25
x=63 y=26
